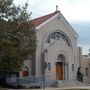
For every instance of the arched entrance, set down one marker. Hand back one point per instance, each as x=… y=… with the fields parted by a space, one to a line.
x=59 y=70
x=60 y=67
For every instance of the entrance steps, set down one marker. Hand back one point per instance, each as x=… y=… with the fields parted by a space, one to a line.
x=87 y=81
x=69 y=83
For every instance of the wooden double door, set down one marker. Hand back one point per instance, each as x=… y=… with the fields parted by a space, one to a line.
x=59 y=71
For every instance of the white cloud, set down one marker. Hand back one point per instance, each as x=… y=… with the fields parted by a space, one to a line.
x=78 y=10
x=71 y=9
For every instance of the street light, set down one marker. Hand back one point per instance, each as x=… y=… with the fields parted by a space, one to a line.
x=44 y=67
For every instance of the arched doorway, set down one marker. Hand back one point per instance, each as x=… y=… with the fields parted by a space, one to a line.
x=60 y=67
x=59 y=70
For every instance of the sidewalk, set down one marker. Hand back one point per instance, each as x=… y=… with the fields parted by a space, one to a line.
x=67 y=88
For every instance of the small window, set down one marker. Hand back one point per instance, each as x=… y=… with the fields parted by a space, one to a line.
x=86 y=71
x=49 y=66
x=72 y=67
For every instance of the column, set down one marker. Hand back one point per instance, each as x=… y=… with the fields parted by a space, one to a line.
x=66 y=71
x=62 y=71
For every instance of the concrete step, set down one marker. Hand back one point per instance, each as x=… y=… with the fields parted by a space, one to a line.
x=70 y=83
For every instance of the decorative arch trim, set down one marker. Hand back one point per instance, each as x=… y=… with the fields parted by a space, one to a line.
x=64 y=35
x=62 y=52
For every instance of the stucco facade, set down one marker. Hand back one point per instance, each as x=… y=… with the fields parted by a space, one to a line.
x=63 y=45
x=57 y=54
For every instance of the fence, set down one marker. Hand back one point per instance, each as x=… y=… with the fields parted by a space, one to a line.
x=32 y=81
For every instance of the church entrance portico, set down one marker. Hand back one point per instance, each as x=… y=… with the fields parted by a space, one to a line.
x=61 y=68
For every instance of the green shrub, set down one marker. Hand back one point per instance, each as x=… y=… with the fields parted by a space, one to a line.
x=79 y=75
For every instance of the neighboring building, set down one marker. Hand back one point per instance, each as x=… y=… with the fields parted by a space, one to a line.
x=85 y=67
x=57 y=55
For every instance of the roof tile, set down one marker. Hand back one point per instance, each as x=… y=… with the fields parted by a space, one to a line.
x=42 y=19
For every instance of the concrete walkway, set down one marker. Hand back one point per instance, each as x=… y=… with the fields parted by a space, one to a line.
x=68 y=88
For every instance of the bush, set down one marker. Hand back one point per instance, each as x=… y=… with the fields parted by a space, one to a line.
x=79 y=75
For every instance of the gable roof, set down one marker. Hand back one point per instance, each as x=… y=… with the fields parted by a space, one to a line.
x=36 y=22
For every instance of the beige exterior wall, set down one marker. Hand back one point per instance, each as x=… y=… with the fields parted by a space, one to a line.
x=57 y=48
x=53 y=51
x=85 y=63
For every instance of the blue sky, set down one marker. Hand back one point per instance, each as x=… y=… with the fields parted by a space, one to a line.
x=75 y=11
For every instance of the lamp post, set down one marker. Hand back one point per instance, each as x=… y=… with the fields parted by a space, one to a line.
x=44 y=67
x=43 y=70
x=44 y=76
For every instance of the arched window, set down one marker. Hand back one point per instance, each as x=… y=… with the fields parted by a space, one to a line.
x=56 y=36
x=49 y=66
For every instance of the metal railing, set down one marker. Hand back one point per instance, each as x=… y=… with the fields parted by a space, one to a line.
x=32 y=81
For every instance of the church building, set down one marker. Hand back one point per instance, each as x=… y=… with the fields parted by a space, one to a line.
x=57 y=55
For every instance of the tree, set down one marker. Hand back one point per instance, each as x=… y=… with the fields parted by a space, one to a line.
x=17 y=36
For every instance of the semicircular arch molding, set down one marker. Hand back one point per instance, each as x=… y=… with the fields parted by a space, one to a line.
x=54 y=35
x=63 y=55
